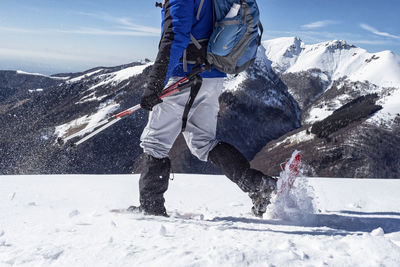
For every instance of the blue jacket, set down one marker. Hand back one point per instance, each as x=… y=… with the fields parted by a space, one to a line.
x=180 y=20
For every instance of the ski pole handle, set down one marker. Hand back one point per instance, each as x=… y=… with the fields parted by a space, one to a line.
x=175 y=87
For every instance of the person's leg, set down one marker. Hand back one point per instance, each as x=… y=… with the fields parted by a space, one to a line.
x=201 y=128
x=153 y=184
x=163 y=127
x=200 y=136
x=237 y=168
x=164 y=124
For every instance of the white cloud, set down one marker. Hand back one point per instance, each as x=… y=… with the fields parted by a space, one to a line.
x=313 y=36
x=371 y=42
x=97 y=31
x=318 y=24
x=21 y=30
x=125 y=23
x=122 y=27
x=47 y=55
x=375 y=31
x=132 y=31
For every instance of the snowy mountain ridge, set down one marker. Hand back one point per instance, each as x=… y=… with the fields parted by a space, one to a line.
x=333 y=65
x=39 y=74
x=336 y=58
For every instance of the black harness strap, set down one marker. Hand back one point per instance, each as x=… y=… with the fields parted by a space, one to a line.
x=194 y=90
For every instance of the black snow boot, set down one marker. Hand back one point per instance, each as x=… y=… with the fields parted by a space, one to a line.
x=237 y=168
x=153 y=184
x=262 y=197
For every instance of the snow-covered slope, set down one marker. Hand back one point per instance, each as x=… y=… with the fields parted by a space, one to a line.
x=65 y=221
x=96 y=83
x=117 y=77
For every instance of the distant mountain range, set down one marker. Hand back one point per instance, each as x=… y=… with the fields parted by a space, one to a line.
x=335 y=102
x=350 y=102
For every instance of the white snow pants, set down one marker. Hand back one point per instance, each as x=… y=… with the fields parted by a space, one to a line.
x=165 y=121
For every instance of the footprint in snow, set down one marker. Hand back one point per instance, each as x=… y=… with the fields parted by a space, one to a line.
x=52 y=254
x=11 y=261
x=74 y=213
x=12 y=196
x=83 y=224
x=163 y=230
x=3 y=243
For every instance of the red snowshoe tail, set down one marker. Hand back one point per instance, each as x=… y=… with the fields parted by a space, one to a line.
x=291 y=170
x=296 y=158
x=294 y=168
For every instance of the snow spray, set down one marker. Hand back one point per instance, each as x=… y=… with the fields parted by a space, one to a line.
x=296 y=203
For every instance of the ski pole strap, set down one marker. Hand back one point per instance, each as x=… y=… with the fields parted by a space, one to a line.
x=194 y=90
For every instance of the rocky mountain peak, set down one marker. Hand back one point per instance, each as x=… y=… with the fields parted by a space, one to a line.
x=338 y=44
x=282 y=52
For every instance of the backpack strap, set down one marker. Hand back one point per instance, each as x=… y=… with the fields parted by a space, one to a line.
x=199 y=10
x=195 y=42
x=260 y=26
x=194 y=90
x=195 y=82
x=198 y=46
x=184 y=61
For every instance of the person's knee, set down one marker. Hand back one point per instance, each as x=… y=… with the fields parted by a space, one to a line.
x=156 y=150
x=201 y=149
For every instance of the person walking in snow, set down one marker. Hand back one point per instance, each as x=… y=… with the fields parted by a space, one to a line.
x=185 y=25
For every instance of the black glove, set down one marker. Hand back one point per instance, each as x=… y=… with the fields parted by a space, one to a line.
x=149 y=99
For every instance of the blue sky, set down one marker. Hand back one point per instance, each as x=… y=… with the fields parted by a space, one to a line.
x=51 y=36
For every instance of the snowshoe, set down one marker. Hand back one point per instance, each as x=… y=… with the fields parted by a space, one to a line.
x=291 y=170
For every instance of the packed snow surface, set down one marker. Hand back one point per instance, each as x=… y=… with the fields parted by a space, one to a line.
x=66 y=221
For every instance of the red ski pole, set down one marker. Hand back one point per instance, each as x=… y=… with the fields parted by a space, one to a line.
x=181 y=84
x=101 y=126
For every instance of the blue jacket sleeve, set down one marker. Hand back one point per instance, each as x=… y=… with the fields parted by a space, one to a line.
x=177 y=26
